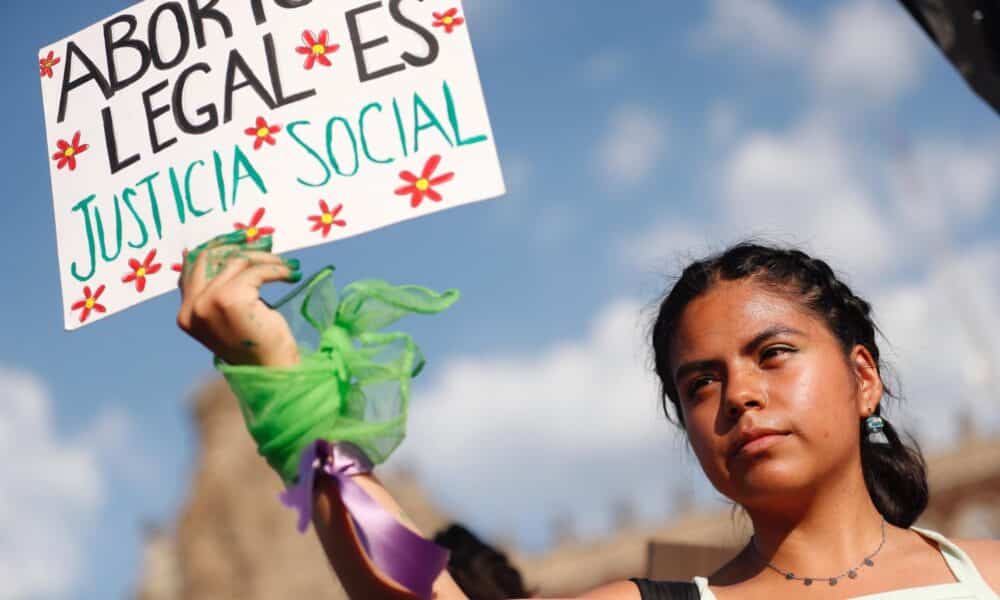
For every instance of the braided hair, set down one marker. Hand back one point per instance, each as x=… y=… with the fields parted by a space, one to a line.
x=895 y=474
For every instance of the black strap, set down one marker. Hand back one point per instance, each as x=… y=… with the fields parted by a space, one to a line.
x=666 y=590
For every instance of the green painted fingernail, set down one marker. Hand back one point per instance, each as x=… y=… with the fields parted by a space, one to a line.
x=293 y=263
x=262 y=243
x=234 y=237
x=295 y=277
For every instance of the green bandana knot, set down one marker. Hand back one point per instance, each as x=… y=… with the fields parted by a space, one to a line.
x=352 y=383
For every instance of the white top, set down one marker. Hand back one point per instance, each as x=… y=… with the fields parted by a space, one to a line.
x=970 y=585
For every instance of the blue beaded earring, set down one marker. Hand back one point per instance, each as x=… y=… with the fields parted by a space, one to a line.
x=874 y=426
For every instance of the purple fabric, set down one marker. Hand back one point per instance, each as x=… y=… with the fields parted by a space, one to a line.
x=401 y=554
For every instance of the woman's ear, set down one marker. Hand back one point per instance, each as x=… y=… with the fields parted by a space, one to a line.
x=865 y=371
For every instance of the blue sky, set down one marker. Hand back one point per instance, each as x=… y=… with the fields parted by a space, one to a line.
x=630 y=137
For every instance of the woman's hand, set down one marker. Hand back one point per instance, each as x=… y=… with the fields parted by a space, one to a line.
x=221 y=306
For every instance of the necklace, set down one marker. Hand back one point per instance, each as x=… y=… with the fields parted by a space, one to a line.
x=850 y=573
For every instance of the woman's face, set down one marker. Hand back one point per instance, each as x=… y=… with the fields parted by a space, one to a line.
x=770 y=403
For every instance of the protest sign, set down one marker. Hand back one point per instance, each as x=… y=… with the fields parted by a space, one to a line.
x=171 y=122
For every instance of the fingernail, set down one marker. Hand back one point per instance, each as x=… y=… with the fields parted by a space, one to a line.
x=293 y=264
x=262 y=243
x=234 y=237
x=295 y=277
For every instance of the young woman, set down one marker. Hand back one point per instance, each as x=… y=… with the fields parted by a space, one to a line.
x=770 y=365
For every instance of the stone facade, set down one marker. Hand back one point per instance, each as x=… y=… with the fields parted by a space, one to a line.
x=229 y=542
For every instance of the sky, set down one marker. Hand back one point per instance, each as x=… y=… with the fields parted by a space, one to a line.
x=632 y=139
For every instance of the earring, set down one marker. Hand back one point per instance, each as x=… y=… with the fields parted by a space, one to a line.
x=874 y=426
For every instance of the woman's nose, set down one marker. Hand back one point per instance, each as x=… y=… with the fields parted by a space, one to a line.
x=743 y=392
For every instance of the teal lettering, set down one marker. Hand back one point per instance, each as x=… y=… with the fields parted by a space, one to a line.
x=400 y=128
x=364 y=140
x=175 y=185
x=187 y=189
x=329 y=146
x=453 y=119
x=326 y=170
x=218 y=179
x=88 y=226
x=240 y=159
x=420 y=106
x=142 y=226
x=154 y=205
x=118 y=231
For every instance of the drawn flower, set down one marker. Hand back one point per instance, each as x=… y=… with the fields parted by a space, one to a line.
x=253 y=231
x=177 y=267
x=328 y=218
x=424 y=185
x=316 y=49
x=68 y=151
x=262 y=132
x=141 y=270
x=449 y=19
x=45 y=64
x=89 y=302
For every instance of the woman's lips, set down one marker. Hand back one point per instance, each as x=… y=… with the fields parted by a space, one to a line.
x=761 y=444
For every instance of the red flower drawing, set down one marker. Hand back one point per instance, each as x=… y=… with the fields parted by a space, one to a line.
x=328 y=218
x=177 y=267
x=449 y=19
x=262 y=132
x=141 y=270
x=45 y=64
x=316 y=49
x=68 y=151
x=89 y=302
x=424 y=185
x=253 y=231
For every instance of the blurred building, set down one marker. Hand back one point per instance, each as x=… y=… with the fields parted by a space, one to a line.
x=230 y=542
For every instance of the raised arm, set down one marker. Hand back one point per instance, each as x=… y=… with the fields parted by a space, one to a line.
x=222 y=309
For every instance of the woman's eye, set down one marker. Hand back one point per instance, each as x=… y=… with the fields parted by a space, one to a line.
x=775 y=351
x=697 y=384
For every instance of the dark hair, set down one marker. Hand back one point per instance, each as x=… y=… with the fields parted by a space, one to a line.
x=895 y=474
x=480 y=571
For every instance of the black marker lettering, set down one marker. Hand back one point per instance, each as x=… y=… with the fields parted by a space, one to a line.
x=72 y=50
x=200 y=13
x=109 y=137
x=432 y=44
x=152 y=114
x=272 y=67
x=154 y=38
x=236 y=62
x=126 y=41
x=209 y=111
x=360 y=47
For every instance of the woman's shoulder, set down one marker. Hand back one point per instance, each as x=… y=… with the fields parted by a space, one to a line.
x=985 y=555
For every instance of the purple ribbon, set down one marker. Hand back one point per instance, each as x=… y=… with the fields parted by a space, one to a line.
x=401 y=554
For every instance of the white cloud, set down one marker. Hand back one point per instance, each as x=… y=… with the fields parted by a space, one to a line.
x=759 y=27
x=870 y=47
x=54 y=488
x=632 y=145
x=799 y=187
x=861 y=52
x=804 y=184
x=666 y=246
x=942 y=330
x=940 y=183
x=571 y=428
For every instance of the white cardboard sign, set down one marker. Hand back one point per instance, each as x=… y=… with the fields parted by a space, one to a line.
x=174 y=121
